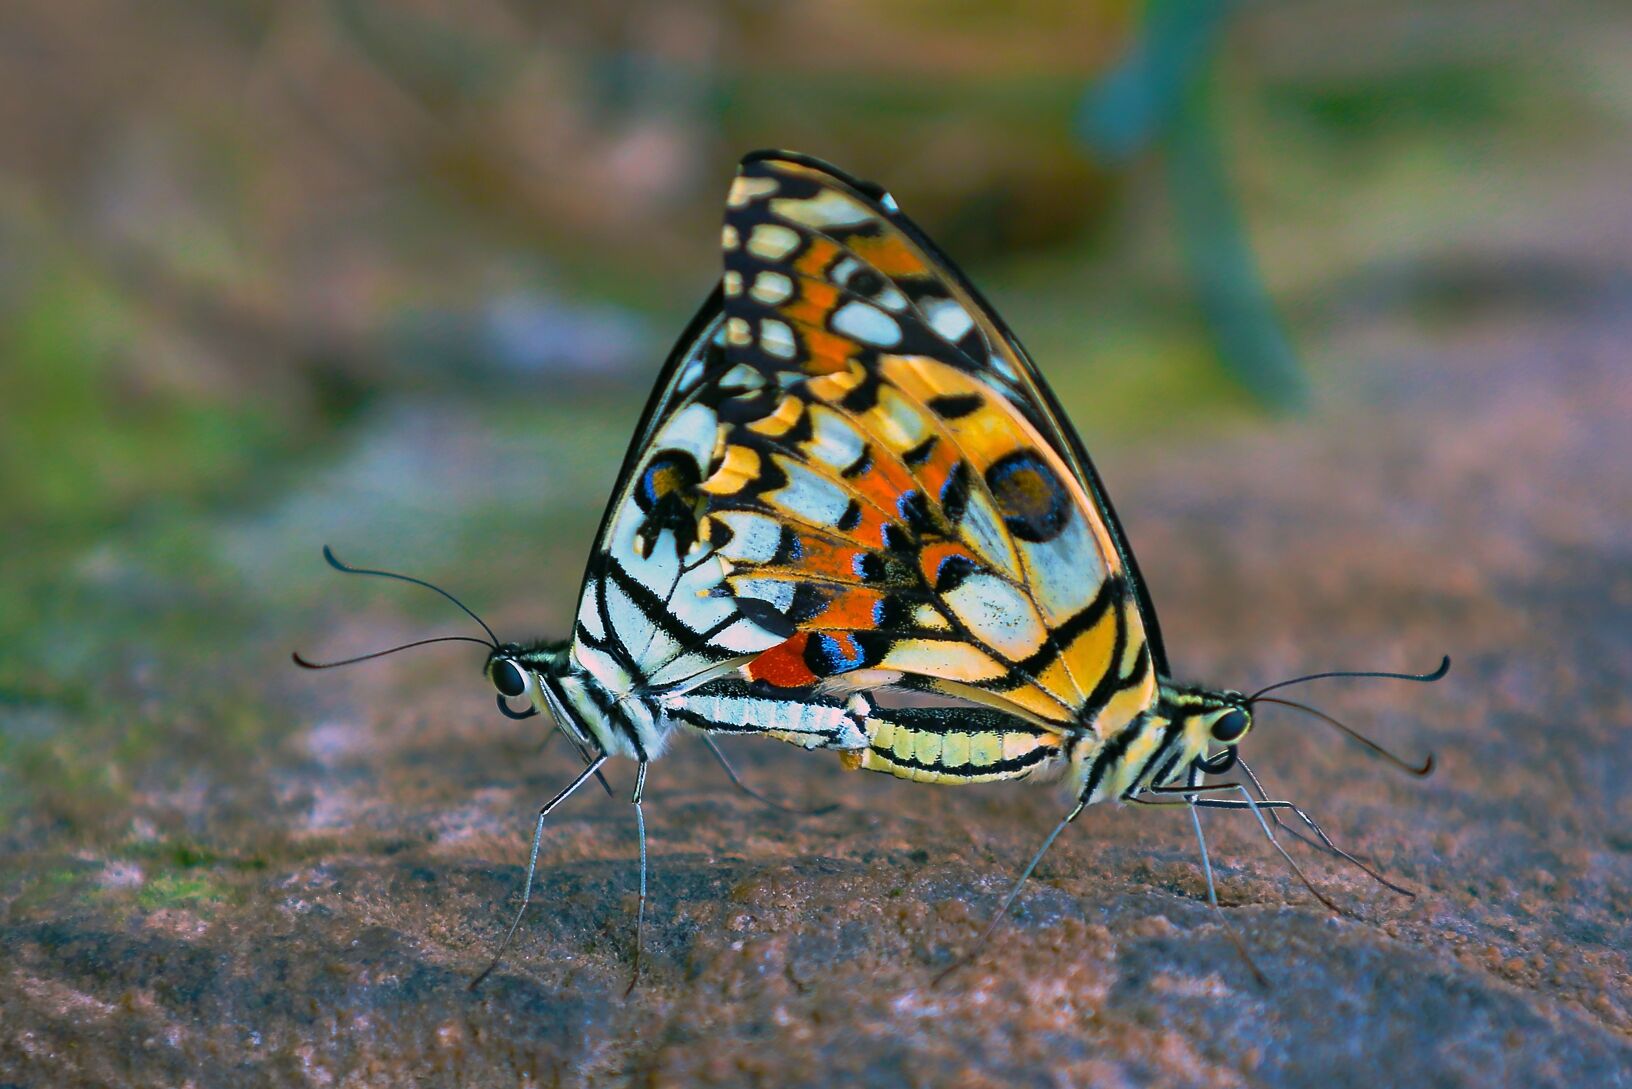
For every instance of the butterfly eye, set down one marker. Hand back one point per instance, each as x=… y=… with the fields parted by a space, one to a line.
x=1230 y=725
x=507 y=678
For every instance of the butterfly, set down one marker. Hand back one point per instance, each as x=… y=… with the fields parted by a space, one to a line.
x=904 y=489
x=851 y=482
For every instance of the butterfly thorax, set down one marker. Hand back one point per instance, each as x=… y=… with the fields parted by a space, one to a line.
x=1160 y=746
x=594 y=718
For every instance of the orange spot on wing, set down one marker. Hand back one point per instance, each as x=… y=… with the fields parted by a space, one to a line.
x=852 y=609
x=826 y=352
x=783 y=666
x=889 y=253
x=932 y=556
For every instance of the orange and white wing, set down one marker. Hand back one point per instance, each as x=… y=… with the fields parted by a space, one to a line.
x=900 y=485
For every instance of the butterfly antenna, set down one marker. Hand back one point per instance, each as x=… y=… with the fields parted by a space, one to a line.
x=305 y=663
x=1421 y=771
x=334 y=562
x=1422 y=678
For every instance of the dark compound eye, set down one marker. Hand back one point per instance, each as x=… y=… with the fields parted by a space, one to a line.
x=1230 y=725
x=507 y=678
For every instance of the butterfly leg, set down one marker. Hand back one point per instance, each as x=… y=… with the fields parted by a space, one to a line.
x=1008 y=901
x=1325 y=842
x=736 y=781
x=640 y=911
x=545 y=744
x=532 y=861
x=1190 y=801
x=1257 y=808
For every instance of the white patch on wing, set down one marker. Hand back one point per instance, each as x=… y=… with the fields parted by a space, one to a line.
x=589 y=611
x=689 y=375
x=771 y=288
x=1063 y=574
x=866 y=323
x=772 y=241
x=745 y=189
x=778 y=593
x=608 y=673
x=898 y=421
x=629 y=624
x=997 y=614
x=777 y=339
x=692 y=429
x=808 y=496
x=828 y=208
x=754 y=537
x=739 y=378
x=928 y=616
x=947 y=318
x=988 y=537
x=833 y=440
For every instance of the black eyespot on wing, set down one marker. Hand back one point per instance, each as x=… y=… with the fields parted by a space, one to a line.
x=666 y=491
x=1031 y=498
x=851 y=518
x=1230 y=725
x=955 y=406
x=507 y=678
x=866 y=283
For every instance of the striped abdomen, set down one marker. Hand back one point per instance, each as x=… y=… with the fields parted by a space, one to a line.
x=956 y=745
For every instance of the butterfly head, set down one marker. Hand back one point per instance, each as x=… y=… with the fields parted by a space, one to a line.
x=526 y=673
x=1211 y=722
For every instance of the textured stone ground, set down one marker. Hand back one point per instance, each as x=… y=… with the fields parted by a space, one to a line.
x=306 y=909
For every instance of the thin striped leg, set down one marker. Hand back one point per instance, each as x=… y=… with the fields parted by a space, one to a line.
x=1325 y=840
x=1190 y=802
x=1008 y=901
x=737 y=782
x=532 y=861
x=640 y=912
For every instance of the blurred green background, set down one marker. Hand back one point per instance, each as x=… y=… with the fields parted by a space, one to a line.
x=396 y=276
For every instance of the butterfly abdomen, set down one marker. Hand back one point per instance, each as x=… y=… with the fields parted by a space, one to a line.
x=951 y=745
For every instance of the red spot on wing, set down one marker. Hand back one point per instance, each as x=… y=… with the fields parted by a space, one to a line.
x=783 y=666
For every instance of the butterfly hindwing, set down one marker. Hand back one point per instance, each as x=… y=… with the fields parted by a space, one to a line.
x=931 y=524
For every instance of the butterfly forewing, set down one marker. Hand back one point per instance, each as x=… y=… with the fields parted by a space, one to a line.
x=901 y=490
x=652 y=614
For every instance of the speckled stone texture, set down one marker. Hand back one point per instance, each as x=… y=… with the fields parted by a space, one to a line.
x=1463 y=493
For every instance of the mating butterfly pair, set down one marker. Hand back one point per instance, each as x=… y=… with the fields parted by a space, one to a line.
x=850 y=479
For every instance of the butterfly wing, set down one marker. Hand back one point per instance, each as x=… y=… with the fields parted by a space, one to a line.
x=652 y=615
x=902 y=488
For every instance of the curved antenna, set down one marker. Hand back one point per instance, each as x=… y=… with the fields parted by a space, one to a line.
x=306 y=664
x=1421 y=772
x=334 y=562
x=1424 y=678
